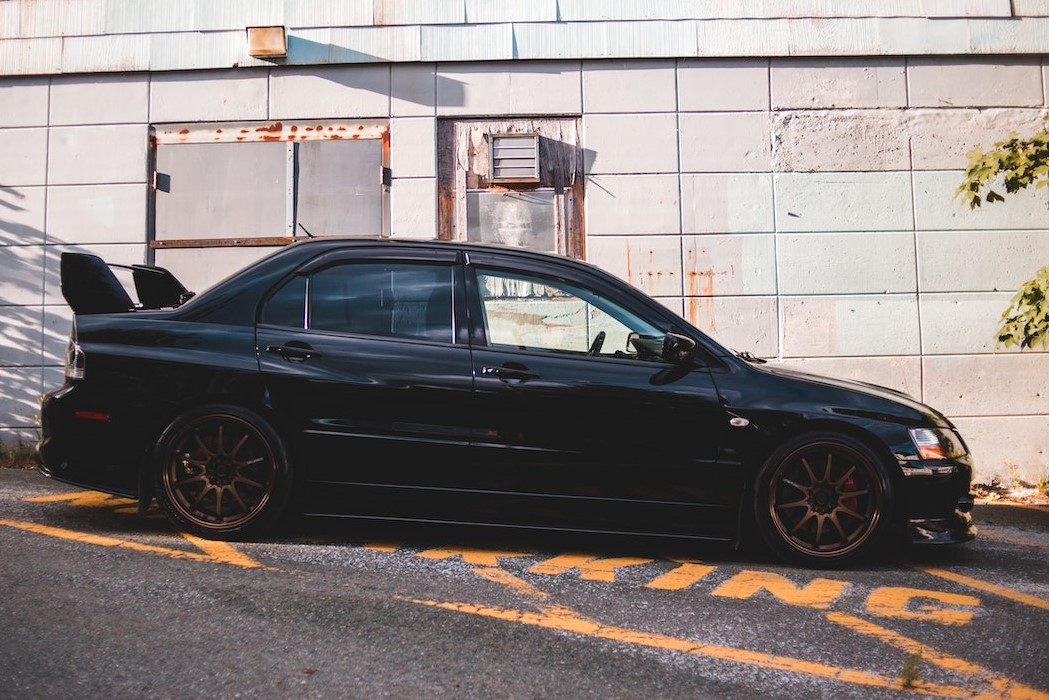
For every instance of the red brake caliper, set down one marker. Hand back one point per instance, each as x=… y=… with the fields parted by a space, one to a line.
x=851 y=502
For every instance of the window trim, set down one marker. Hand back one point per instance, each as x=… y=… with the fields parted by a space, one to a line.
x=292 y=131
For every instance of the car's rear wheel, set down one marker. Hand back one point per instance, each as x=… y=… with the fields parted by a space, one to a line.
x=823 y=500
x=222 y=472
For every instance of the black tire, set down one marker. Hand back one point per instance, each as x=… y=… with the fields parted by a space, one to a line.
x=823 y=500
x=222 y=472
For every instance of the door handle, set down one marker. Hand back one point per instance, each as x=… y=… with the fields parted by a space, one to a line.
x=293 y=353
x=521 y=373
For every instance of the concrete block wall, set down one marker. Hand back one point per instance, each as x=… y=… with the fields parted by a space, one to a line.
x=74 y=173
x=801 y=209
x=818 y=225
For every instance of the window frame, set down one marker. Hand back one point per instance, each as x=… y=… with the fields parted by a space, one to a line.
x=591 y=283
x=458 y=329
x=289 y=132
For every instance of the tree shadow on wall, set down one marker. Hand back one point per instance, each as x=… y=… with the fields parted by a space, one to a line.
x=32 y=332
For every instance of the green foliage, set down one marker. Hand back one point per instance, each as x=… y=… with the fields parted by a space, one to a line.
x=1016 y=163
x=1026 y=321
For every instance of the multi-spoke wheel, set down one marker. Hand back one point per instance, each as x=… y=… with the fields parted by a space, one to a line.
x=222 y=473
x=822 y=500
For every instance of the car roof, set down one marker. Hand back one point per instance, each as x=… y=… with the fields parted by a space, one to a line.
x=222 y=302
x=339 y=241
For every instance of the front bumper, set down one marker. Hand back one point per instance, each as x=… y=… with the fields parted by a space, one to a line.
x=954 y=529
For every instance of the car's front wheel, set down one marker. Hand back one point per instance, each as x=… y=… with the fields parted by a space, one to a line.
x=823 y=500
x=222 y=472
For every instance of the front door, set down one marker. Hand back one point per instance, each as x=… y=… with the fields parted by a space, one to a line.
x=581 y=419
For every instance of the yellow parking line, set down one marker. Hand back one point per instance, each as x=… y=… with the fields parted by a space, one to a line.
x=99 y=540
x=222 y=552
x=567 y=621
x=91 y=499
x=1001 y=687
x=560 y=617
x=979 y=585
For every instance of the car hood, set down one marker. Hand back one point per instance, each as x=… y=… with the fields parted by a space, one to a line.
x=880 y=394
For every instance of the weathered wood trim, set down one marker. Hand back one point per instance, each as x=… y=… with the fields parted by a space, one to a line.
x=463 y=165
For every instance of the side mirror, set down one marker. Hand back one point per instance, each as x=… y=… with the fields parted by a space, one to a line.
x=678 y=349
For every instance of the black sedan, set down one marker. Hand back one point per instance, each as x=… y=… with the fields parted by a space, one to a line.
x=461 y=383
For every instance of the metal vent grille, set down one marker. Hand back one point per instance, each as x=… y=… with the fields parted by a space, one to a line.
x=515 y=158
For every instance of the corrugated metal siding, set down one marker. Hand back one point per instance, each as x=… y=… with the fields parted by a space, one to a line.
x=497 y=12
x=393 y=12
x=172 y=16
x=1031 y=8
x=217 y=49
x=352 y=45
x=1027 y=35
x=30 y=56
x=325 y=13
x=123 y=35
x=606 y=40
x=474 y=42
x=628 y=10
x=189 y=15
x=84 y=54
x=229 y=14
x=51 y=18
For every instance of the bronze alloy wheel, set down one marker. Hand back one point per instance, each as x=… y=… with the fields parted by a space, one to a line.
x=222 y=471
x=823 y=502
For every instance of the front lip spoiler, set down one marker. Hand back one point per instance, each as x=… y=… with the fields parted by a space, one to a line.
x=954 y=529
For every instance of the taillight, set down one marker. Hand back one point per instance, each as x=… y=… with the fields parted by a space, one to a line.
x=76 y=360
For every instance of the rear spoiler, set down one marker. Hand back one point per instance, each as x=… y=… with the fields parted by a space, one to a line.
x=90 y=287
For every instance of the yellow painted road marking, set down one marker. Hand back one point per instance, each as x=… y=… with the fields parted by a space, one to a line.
x=683 y=576
x=1001 y=687
x=217 y=558
x=979 y=585
x=223 y=552
x=890 y=601
x=91 y=499
x=505 y=578
x=818 y=593
x=589 y=567
x=567 y=621
x=382 y=547
x=481 y=557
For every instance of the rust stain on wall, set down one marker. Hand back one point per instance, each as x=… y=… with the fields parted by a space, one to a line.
x=701 y=313
x=699 y=291
x=273 y=131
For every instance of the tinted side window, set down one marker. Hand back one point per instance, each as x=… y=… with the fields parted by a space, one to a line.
x=537 y=313
x=287 y=307
x=409 y=300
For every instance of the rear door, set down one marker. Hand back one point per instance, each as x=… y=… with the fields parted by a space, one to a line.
x=364 y=357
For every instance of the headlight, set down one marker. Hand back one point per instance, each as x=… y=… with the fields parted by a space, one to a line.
x=937 y=443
